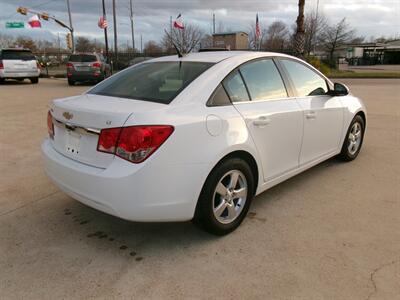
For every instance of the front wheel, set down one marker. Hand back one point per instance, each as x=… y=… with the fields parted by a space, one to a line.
x=353 y=140
x=225 y=197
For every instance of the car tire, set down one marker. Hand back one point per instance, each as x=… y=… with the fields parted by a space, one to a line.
x=71 y=82
x=353 y=140
x=34 y=80
x=221 y=214
x=2 y=80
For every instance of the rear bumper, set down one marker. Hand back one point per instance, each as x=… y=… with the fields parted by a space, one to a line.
x=17 y=74
x=138 y=192
x=85 y=76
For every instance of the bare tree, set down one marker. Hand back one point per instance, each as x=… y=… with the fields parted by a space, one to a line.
x=6 y=40
x=187 y=39
x=334 y=36
x=276 y=37
x=25 y=42
x=206 y=41
x=314 y=23
x=152 y=49
x=300 y=31
x=83 y=44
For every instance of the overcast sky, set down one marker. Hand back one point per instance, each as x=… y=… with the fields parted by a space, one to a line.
x=368 y=17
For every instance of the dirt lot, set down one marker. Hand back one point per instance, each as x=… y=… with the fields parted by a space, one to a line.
x=332 y=232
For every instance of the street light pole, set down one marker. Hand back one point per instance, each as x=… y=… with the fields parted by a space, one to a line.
x=115 y=35
x=133 y=32
x=71 y=28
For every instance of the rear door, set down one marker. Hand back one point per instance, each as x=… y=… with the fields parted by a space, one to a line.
x=18 y=61
x=272 y=117
x=322 y=113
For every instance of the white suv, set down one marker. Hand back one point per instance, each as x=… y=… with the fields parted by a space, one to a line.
x=18 y=64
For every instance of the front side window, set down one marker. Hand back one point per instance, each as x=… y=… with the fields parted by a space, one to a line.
x=305 y=80
x=263 y=80
x=156 y=82
x=236 y=88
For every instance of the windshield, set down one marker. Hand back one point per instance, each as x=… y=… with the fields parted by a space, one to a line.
x=17 y=54
x=157 y=82
x=82 y=58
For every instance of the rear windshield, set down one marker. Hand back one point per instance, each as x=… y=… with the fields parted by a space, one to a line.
x=82 y=58
x=157 y=82
x=17 y=54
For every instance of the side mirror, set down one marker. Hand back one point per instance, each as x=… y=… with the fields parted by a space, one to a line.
x=340 y=89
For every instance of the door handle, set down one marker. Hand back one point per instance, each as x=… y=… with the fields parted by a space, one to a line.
x=261 y=121
x=311 y=115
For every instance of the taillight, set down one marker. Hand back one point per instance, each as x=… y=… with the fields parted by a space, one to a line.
x=69 y=65
x=96 y=65
x=50 y=125
x=134 y=143
x=38 y=65
x=1 y=64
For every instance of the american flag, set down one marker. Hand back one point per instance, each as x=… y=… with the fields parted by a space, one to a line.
x=258 y=30
x=102 y=22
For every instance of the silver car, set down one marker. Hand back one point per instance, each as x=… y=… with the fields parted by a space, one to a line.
x=18 y=64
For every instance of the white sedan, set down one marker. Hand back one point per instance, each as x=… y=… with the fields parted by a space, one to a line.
x=197 y=137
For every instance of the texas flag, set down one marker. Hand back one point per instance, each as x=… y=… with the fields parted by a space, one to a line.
x=178 y=22
x=34 y=22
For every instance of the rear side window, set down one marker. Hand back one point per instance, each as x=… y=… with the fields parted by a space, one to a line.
x=82 y=58
x=157 y=82
x=17 y=54
x=236 y=88
x=263 y=80
x=305 y=80
x=219 y=97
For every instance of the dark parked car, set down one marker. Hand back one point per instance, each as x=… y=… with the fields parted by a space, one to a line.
x=84 y=67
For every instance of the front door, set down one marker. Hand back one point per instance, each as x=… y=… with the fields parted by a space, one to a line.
x=322 y=113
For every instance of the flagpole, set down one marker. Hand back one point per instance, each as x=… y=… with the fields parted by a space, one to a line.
x=105 y=33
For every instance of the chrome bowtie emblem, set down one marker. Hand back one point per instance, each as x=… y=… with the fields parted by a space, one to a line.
x=68 y=115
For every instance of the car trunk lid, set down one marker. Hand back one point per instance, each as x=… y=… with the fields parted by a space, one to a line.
x=78 y=121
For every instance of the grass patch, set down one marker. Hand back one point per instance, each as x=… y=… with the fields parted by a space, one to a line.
x=352 y=74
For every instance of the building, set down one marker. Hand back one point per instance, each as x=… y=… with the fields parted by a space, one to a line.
x=371 y=53
x=231 y=40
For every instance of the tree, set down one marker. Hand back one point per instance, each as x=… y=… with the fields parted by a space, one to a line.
x=334 y=36
x=313 y=24
x=276 y=37
x=6 y=40
x=152 y=49
x=25 y=42
x=186 y=40
x=300 y=32
x=83 y=44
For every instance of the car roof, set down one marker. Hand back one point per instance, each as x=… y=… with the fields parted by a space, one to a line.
x=216 y=56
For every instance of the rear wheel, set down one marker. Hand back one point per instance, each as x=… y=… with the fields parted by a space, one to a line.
x=71 y=82
x=354 y=139
x=2 y=80
x=225 y=197
x=34 y=79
